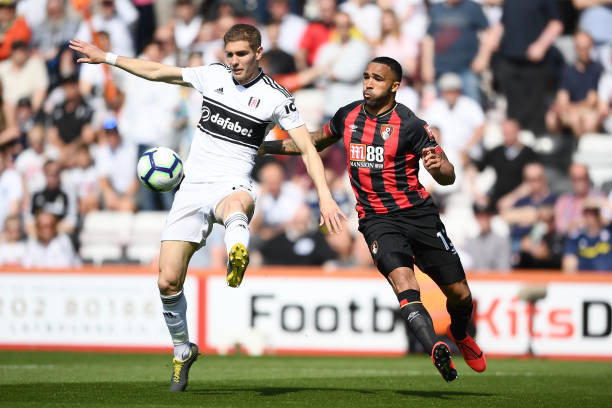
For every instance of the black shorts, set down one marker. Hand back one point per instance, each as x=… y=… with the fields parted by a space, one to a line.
x=397 y=240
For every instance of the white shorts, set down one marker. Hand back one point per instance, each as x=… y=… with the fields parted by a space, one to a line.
x=192 y=215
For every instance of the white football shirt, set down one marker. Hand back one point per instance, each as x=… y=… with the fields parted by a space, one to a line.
x=234 y=122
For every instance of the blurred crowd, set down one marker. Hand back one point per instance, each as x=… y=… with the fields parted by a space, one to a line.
x=514 y=90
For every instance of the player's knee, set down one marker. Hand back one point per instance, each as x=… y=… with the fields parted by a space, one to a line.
x=168 y=280
x=167 y=286
x=460 y=294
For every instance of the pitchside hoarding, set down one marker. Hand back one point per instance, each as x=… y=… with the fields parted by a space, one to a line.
x=95 y=311
x=304 y=311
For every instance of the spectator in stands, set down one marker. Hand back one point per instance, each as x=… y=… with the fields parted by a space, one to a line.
x=345 y=59
x=412 y=15
x=277 y=202
x=291 y=27
x=604 y=93
x=316 y=34
x=12 y=246
x=394 y=44
x=576 y=105
x=508 y=161
x=54 y=31
x=568 y=208
x=82 y=179
x=301 y=243
x=115 y=18
x=529 y=29
x=55 y=199
x=34 y=10
x=11 y=187
x=23 y=75
x=460 y=118
x=31 y=161
x=487 y=250
x=49 y=248
x=366 y=17
x=146 y=120
x=542 y=247
x=274 y=60
x=596 y=20
x=452 y=44
x=96 y=79
x=116 y=161
x=13 y=28
x=590 y=248
x=25 y=119
x=526 y=206
x=71 y=121
x=187 y=25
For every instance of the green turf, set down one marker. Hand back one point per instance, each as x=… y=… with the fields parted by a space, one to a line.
x=37 y=379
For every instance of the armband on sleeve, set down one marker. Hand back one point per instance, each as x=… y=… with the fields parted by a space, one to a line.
x=327 y=130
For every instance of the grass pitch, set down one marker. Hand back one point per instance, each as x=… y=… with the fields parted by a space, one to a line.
x=42 y=379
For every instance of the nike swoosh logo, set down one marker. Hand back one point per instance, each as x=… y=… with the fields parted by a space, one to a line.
x=472 y=350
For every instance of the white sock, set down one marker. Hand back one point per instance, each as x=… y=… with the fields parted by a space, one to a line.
x=175 y=314
x=236 y=230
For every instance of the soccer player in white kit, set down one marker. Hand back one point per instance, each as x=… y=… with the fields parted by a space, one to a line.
x=240 y=105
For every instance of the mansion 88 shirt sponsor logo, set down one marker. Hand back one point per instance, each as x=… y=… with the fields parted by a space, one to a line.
x=362 y=155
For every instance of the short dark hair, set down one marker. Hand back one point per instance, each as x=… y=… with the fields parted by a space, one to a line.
x=391 y=63
x=243 y=32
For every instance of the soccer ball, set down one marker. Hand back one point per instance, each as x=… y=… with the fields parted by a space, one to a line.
x=160 y=169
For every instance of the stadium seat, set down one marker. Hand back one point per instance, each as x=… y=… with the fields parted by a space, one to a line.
x=98 y=253
x=145 y=235
x=106 y=227
x=595 y=150
x=147 y=226
x=144 y=253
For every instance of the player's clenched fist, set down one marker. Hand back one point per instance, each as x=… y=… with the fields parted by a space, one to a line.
x=92 y=54
x=431 y=159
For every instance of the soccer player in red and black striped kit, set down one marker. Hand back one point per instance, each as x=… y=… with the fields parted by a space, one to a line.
x=384 y=141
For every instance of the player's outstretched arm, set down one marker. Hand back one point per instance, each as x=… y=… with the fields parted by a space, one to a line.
x=438 y=165
x=153 y=71
x=330 y=212
x=288 y=146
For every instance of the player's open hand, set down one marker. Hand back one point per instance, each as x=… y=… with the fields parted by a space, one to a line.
x=91 y=53
x=331 y=216
x=431 y=159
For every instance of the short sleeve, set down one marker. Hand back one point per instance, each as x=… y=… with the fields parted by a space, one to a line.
x=571 y=246
x=565 y=79
x=480 y=19
x=197 y=76
x=15 y=185
x=421 y=136
x=551 y=10
x=335 y=126
x=287 y=116
x=103 y=163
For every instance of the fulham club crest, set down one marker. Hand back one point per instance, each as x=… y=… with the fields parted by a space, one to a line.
x=386 y=131
x=254 y=102
x=374 y=247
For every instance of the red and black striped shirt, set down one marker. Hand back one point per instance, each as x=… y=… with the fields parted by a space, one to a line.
x=383 y=155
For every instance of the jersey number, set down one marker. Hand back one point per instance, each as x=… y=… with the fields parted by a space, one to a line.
x=448 y=245
x=375 y=153
x=290 y=108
